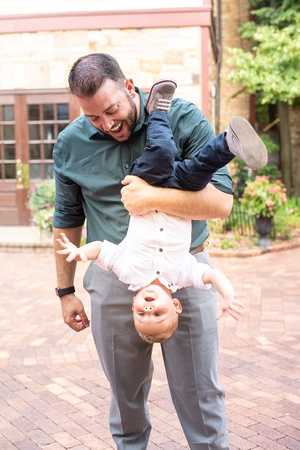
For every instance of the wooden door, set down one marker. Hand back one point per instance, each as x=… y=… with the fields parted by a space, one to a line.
x=29 y=125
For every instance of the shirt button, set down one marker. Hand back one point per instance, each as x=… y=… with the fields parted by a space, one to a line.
x=126 y=166
x=157 y=272
x=161 y=229
x=161 y=249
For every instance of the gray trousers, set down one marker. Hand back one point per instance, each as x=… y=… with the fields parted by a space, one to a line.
x=190 y=359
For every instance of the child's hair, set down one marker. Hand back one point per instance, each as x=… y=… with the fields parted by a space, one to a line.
x=161 y=337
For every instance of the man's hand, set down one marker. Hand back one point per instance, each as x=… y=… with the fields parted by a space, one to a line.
x=73 y=312
x=137 y=195
x=232 y=305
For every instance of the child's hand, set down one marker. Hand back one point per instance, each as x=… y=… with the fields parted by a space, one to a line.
x=232 y=305
x=70 y=249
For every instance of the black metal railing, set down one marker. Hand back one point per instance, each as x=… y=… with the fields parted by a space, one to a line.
x=239 y=221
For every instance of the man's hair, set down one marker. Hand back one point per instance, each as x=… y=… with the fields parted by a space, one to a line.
x=161 y=337
x=89 y=72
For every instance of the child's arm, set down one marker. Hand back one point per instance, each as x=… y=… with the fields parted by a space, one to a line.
x=230 y=302
x=84 y=253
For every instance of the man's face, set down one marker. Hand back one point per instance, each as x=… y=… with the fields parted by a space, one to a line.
x=153 y=309
x=113 y=109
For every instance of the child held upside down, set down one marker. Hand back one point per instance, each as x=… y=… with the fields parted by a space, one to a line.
x=153 y=258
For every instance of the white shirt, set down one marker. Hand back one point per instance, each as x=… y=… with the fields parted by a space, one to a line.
x=156 y=246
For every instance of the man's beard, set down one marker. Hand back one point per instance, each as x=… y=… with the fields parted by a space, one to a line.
x=132 y=115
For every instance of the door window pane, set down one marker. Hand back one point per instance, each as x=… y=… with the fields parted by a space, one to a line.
x=48 y=151
x=49 y=171
x=9 y=151
x=34 y=132
x=34 y=151
x=36 y=171
x=63 y=111
x=61 y=126
x=8 y=132
x=49 y=132
x=8 y=113
x=48 y=112
x=10 y=171
x=45 y=121
x=33 y=112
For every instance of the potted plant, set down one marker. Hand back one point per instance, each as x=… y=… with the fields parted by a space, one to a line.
x=262 y=198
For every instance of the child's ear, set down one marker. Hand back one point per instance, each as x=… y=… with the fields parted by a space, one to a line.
x=132 y=308
x=177 y=305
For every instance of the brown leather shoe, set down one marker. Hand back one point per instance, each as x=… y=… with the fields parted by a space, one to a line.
x=160 y=96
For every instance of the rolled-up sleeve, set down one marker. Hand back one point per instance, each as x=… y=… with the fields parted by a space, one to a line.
x=69 y=211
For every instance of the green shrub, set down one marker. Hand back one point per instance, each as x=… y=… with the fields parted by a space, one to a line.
x=41 y=204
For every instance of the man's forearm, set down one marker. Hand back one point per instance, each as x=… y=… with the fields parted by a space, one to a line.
x=65 y=271
x=139 y=198
x=210 y=203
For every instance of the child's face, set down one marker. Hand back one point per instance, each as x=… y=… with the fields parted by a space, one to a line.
x=153 y=309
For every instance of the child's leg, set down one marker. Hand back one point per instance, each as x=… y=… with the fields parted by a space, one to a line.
x=241 y=140
x=195 y=173
x=156 y=165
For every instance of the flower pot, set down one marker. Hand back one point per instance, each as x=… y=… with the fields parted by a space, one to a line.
x=263 y=226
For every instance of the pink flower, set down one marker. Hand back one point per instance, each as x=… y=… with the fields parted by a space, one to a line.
x=291 y=210
x=269 y=203
x=274 y=189
x=229 y=235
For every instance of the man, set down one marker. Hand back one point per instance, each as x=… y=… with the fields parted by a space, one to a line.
x=92 y=156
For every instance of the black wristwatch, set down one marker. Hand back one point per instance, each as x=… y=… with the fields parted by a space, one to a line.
x=60 y=292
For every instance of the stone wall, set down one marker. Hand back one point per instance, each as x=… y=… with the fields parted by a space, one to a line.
x=42 y=60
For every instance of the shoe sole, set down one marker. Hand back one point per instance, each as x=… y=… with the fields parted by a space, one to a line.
x=254 y=150
x=162 y=80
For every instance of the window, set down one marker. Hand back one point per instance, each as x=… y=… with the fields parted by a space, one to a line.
x=45 y=122
x=7 y=143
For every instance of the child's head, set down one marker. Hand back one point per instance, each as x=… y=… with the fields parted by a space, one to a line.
x=155 y=313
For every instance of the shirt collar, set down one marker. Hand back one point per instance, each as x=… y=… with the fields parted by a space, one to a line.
x=93 y=132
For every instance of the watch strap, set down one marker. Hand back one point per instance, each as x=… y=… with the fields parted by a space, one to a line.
x=65 y=291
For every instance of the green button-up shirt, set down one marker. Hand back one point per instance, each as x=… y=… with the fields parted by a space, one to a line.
x=90 y=165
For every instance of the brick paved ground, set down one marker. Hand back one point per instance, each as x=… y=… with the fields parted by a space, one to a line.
x=53 y=394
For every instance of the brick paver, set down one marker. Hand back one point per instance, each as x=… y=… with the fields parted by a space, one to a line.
x=54 y=395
